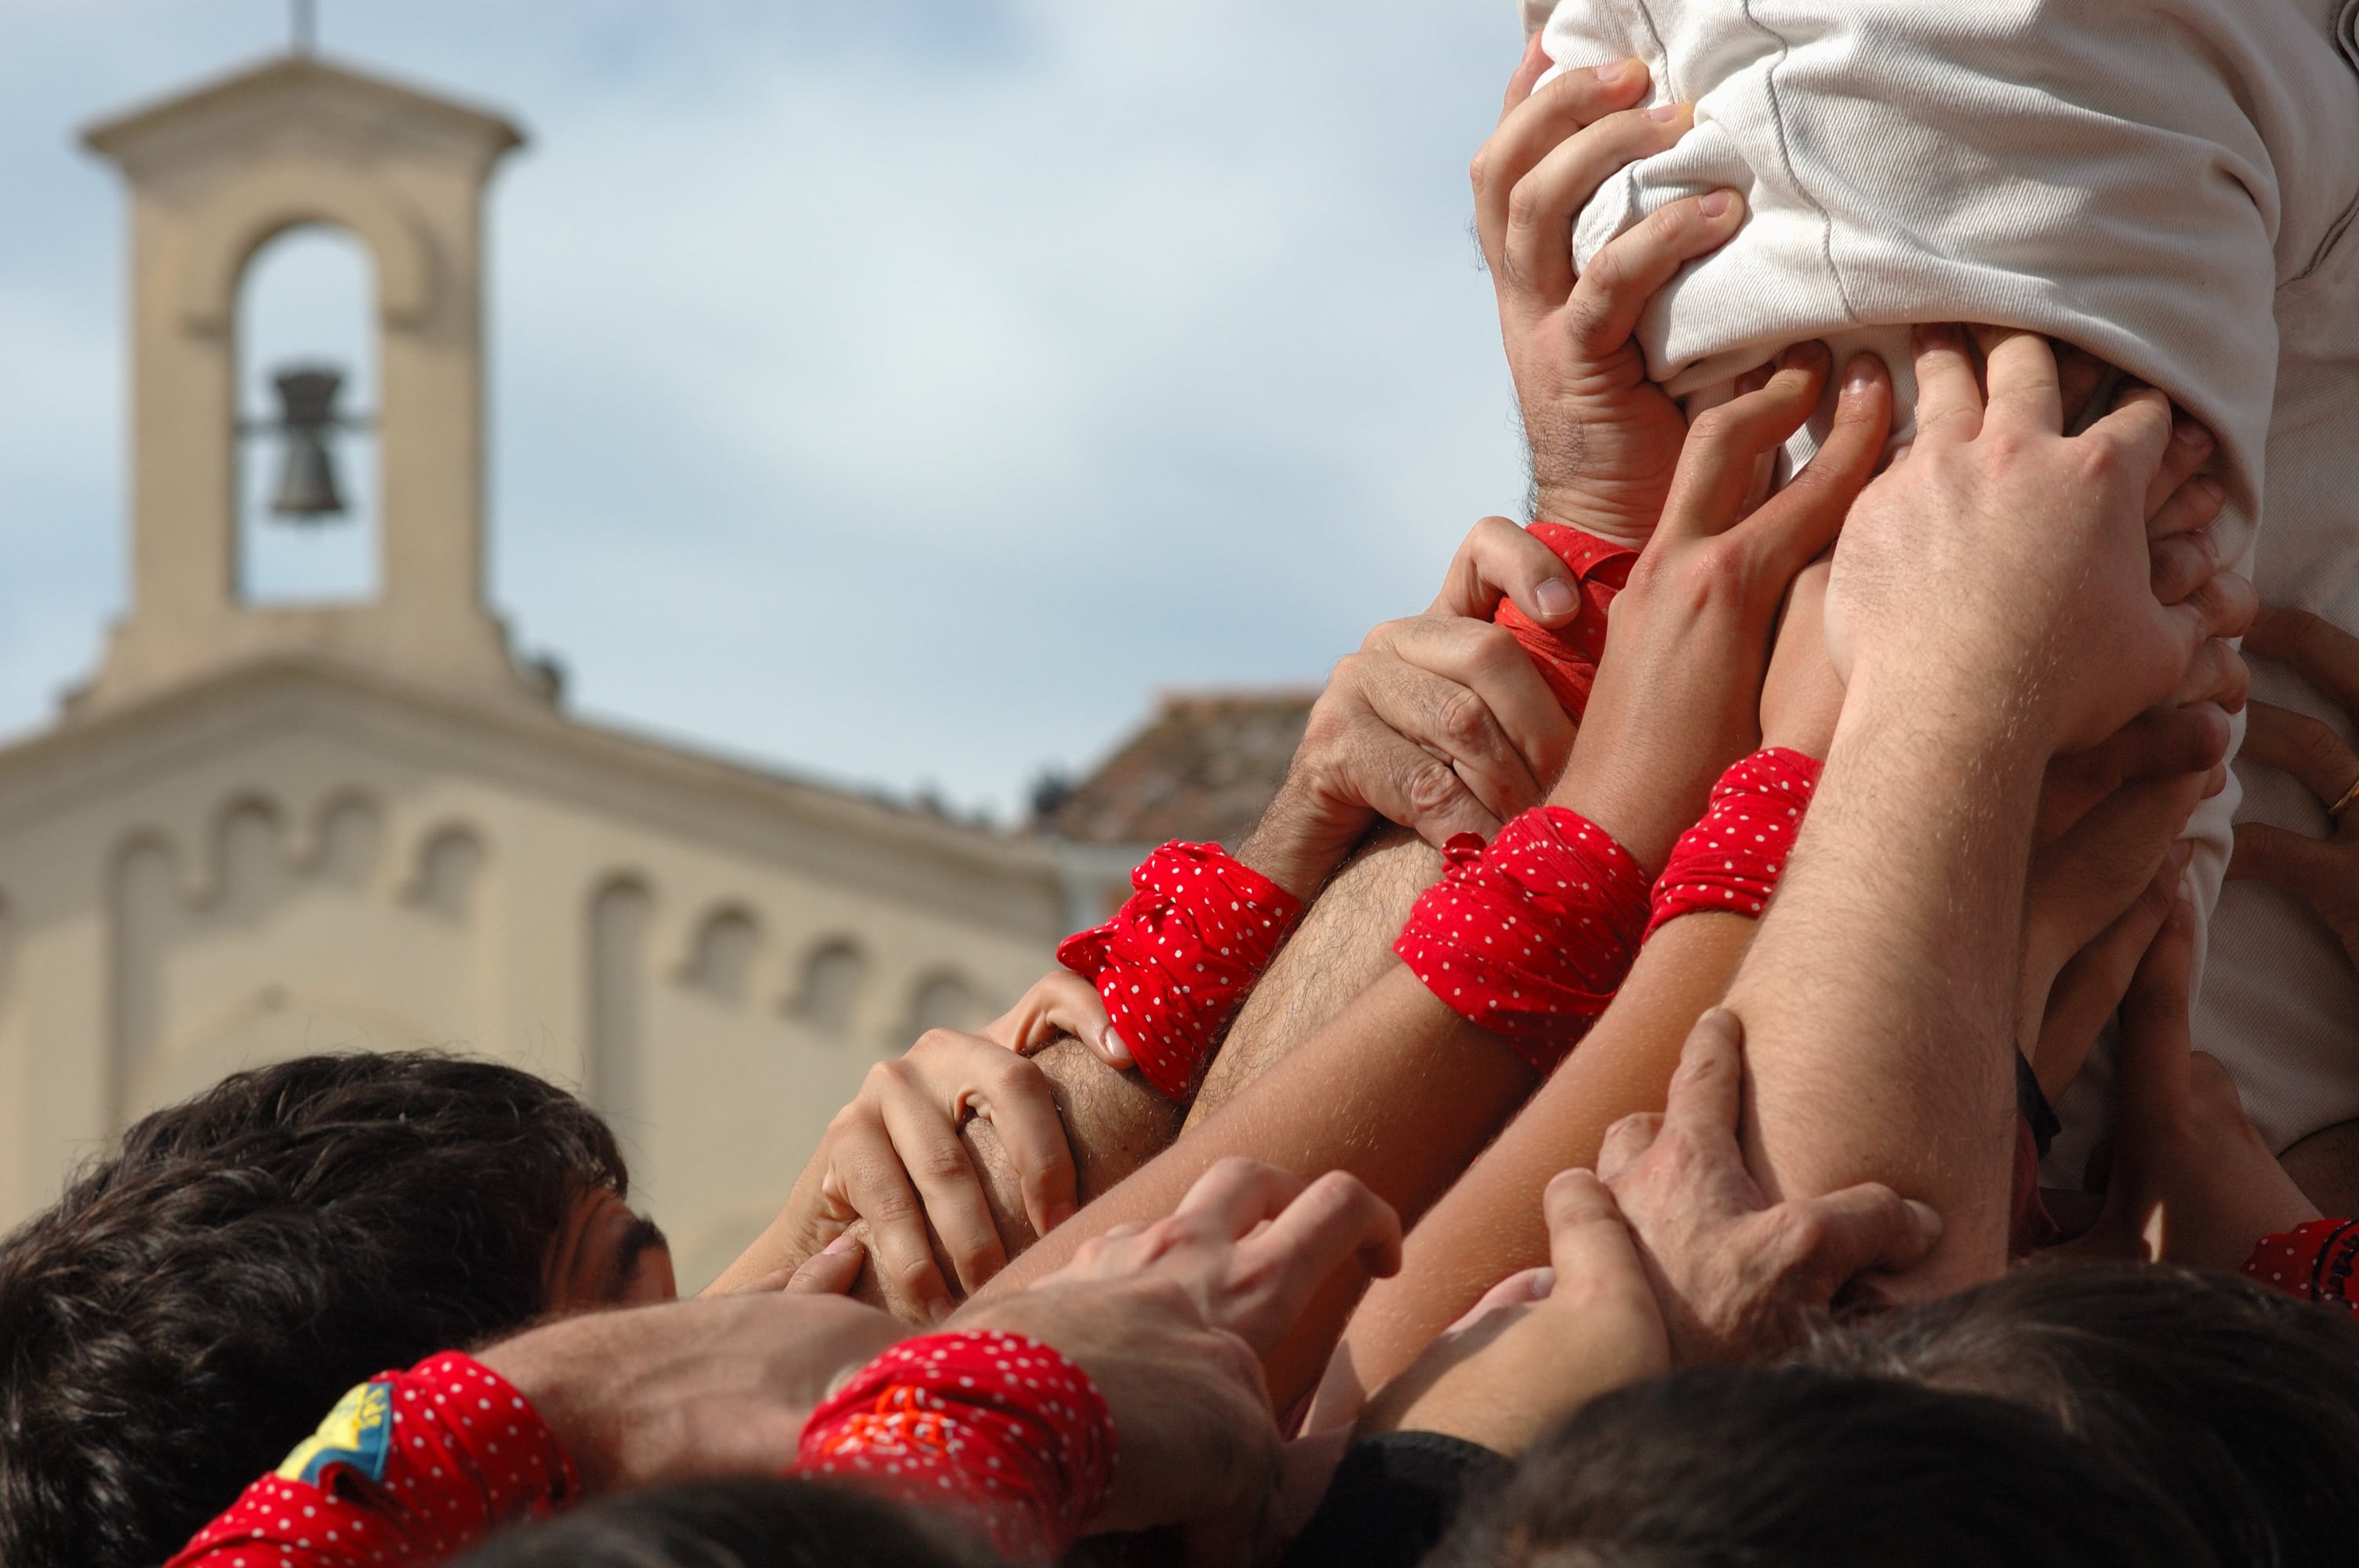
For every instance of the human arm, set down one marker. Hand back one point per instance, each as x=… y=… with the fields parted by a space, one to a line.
x=1992 y=604
x=1391 y=1090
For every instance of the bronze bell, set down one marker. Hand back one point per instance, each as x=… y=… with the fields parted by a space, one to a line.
x=307 y=481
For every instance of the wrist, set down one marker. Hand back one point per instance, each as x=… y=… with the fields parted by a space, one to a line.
x=1302 y=838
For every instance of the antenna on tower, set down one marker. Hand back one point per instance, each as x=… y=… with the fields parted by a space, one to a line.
x=306 y=26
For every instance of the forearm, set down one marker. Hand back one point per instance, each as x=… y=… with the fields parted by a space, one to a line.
x=1344 y=945
x=1878 y=997
x=1490 y=1225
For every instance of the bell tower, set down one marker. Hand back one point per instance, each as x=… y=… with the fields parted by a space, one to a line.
x=214 y=175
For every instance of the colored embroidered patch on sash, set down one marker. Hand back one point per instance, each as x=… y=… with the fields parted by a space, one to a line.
x=354 y=1434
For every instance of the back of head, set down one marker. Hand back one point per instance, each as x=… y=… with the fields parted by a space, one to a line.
x=746 y=1521
x=2240 y=1402
x=193 y=1306
x=1790 y=1467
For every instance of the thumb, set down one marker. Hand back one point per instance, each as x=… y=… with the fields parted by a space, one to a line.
x=1847 y=1233
x=1589 y=1242
x=1060 y=1002
x=1501 y=560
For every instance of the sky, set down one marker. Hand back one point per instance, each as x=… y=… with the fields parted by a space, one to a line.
x=899 y=392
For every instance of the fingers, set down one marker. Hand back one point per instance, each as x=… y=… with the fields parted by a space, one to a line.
x=2216 y=674
x=2317 y=650
x=1829 y=1240
x=1529 y=70
x=1949 y=397
x=2020 y=371
x=2184 y=553
x=876 y=1186
x=1629 y=271
x=1588 y=1239
x=1707 y=1090
x=1529 y=127
x=1464 y=692
x=2312 y=871
x=2306 y=748
x=1536 y=248
x=926 y=1142
x=1015 y=1097
x=1237 y=1194
x=1725 y=444
x=2081 y=376
x=1060 y=1003
x=1336 y=1217
x=830 y=1271
x=1626 y=1142
x=1500 y=559
x=2139 y=431
x=2190 y=446
x=1803 y=519
x=2161 y=742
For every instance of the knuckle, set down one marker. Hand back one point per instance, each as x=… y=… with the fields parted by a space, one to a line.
x=937 y=1162
x=1432 y=787
x=1464 y=719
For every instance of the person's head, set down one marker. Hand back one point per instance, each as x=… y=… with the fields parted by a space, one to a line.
x=1791 y=1467
x=2240 y=1402
x=736 y=1523
x=195 y=1304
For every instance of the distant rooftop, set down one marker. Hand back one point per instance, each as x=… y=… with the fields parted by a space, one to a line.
x=1203 y=769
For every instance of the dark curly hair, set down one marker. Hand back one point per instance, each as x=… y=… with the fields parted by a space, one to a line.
x=190 y=1308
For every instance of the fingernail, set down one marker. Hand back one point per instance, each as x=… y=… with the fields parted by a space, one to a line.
x=1666 y=112
x=2179 y=854
x=939 y=1311
x=1616 y=73
x=2190 y=435
x=1113 y=1044
x=1555 y=597
x=1543 y=1283
x=1061 y=1212
x=843 y=1243
x=1713 y=205
x=2210 y=491
x=1929 y=1224
x=1861 y=375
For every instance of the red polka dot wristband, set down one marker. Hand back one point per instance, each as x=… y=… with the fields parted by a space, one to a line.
x=1531 y=937
x=410 y=1467
x=2314 y=1262
x=1178 y=958
x=1566 y=659
x=1730 y=861
x=1000 y=1427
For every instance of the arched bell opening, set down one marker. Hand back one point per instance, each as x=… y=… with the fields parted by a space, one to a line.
x=308 y=472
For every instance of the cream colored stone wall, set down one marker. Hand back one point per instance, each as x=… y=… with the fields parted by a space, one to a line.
x=296 y=860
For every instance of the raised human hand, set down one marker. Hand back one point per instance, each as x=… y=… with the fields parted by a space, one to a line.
x=2003 y=573
x=1678 y=690
x=1739 y=1278
x=2324 y=873
x=1439 y=724
x=1604 y=439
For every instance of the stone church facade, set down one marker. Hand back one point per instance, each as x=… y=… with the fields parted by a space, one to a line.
x=261 y=830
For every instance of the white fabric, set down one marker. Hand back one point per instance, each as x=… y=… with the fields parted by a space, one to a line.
x=2169 y=184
